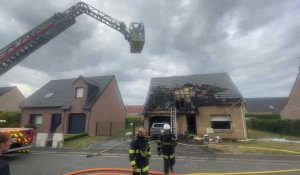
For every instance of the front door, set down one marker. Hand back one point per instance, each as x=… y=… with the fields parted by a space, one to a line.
x=55 y=122
x=191 y=124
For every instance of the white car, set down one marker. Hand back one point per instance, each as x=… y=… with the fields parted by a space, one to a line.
x=156 y=129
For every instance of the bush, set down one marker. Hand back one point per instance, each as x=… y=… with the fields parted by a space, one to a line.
x=12 y=118
x=76 y=136
x=132 y=119
x=286 y=127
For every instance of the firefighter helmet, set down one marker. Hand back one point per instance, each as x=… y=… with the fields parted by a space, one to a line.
x=167 y=127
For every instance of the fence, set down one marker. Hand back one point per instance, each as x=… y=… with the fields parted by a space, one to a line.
x=107 y=128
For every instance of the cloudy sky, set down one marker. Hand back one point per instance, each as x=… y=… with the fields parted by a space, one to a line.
x=256 y=41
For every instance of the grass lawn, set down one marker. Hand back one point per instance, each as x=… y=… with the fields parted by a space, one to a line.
x=255 y=134
x=83 y=142
x=243 y=147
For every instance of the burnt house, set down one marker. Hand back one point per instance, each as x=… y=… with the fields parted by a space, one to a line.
x=85 y=104
x=204 y=103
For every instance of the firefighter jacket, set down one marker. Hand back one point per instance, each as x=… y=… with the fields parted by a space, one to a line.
x=139 y=153
x=166 y=144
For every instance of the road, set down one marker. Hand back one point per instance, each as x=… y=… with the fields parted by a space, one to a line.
x=46 y=163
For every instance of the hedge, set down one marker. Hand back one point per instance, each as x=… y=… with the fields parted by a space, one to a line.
x=286 y=127
x=75 y=137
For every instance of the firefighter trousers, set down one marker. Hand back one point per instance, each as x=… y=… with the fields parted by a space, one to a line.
x=169 y=162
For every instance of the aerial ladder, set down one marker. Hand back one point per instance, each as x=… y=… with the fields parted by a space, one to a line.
x=173 y=121
x=15 y=52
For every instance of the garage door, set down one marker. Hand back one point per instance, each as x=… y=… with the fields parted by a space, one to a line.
x=76 y=123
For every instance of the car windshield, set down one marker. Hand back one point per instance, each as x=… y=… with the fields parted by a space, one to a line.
x=157 y=125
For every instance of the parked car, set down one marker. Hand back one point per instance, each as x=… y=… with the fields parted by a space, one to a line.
x=156 y=129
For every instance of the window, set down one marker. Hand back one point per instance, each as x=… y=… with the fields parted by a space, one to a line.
x=48 y=94
x=36 y=119
x=220 y=122
x=79 y=92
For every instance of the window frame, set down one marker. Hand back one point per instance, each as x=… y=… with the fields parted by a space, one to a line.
x=33 y=119
x=223 y=118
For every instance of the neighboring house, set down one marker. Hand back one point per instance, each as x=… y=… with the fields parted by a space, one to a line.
x=292 y=109
x=134 y=110
x=10 y=98
x=202 y=102
x=265 y=105
x=83 y=104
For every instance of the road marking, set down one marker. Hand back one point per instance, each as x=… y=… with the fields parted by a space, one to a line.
x=262 y=148
x=247 y=147
x=253 y=173
x=123 y=170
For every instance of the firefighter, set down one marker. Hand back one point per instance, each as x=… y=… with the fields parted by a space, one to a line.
x=139 y=153
x=166 y=146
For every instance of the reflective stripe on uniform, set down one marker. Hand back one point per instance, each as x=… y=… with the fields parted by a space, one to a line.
x=132 y=163
x=149 y=153
x=131 y=151
x=145 y=169
x=138 y=170
x=169 y=157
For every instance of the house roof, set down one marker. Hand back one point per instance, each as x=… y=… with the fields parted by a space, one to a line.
x=4 y=90
x=225 y=88
x=265 y=105
x=61 y=92
x=134 y=109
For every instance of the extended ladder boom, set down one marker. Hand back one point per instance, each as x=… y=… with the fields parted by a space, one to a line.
x=19 y=49
x=173 y=121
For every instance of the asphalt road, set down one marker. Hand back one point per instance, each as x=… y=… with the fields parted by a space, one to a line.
x=124 y=146
x=41 y=163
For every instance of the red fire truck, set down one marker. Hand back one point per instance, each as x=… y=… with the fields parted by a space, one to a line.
x=21 y=139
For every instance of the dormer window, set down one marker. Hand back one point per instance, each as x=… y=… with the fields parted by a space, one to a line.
x=79 y=92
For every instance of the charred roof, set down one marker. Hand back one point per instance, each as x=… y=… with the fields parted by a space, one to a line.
x=188 y=92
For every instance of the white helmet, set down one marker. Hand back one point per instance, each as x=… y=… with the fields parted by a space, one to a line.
x=167 y=127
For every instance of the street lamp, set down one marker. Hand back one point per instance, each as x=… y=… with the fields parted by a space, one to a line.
x=133 y=129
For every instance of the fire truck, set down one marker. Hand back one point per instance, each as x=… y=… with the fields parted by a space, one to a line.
x=26 y=44
x=19 y=49
x=21 y=139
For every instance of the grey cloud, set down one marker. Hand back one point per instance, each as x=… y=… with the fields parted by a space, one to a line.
x=181 y=37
